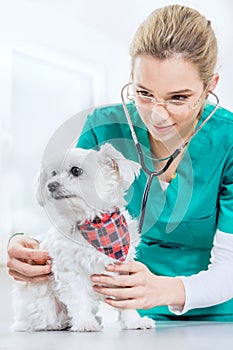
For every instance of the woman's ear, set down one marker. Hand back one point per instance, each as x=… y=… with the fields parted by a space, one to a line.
x=213 y=82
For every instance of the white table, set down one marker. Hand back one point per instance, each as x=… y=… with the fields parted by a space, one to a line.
x=167 y=335
x=175 y=336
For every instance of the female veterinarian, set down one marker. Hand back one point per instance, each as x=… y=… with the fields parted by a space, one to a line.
x=170 y=121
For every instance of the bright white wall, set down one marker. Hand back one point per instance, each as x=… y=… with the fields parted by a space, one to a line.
x=58 y=57
x=101 y=30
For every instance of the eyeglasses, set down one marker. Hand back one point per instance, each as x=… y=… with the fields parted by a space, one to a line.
x=174 y=106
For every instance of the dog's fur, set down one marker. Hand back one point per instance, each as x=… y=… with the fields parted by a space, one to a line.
x=68 y=300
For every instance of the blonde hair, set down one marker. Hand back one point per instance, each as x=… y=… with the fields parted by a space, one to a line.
x=178 y=30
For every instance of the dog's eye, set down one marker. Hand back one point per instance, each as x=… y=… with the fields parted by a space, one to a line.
x=53 y=173
x=76 y=171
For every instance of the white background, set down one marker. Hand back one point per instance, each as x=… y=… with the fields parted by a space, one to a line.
x=58 y=57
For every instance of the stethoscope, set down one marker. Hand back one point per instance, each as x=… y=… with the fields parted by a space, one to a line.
x=169 y=159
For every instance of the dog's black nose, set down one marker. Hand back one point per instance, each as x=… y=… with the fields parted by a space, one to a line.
x=52 y=186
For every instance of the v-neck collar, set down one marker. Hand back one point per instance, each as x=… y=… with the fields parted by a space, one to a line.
x=168 y=205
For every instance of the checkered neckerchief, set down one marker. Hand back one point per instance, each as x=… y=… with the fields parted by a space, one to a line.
x=109 y=234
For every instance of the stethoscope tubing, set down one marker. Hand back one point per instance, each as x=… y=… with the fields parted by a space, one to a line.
x=170 y=158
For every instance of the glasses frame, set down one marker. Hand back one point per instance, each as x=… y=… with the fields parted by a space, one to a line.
x=166 y=103
x=169 y=159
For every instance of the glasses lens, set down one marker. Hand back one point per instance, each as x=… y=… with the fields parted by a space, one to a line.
x=177 y=107
x=150 y=103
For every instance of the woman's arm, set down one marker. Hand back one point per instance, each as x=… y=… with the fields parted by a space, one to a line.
x=214 y=286
x=138 y=288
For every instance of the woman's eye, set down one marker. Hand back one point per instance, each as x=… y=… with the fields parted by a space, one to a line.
x=53 y=173
x=179 y=97
x=143 y=93
x=76 y=171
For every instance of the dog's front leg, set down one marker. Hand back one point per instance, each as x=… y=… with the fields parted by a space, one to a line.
x=75 y=292
x=130 y=319
x=36 y=308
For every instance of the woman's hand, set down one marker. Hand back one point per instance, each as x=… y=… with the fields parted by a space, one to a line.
x=135 y=287
x=27 y=263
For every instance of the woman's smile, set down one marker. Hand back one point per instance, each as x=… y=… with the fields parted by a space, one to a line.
x=164 y=128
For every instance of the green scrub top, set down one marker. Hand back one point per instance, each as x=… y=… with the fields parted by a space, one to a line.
x=180 y=222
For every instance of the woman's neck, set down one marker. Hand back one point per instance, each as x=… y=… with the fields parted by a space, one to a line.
x=162 y=151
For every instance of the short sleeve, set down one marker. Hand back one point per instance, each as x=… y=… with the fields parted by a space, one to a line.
x=87 y=139
x=225 y=219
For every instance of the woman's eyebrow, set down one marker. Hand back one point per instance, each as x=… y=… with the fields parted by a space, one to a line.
x=181 y=91
x=140 y=86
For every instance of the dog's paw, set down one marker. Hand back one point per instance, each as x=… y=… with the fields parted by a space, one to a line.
x=91 y=325
x=22 y=326
x=138 y=323
x=19 y=327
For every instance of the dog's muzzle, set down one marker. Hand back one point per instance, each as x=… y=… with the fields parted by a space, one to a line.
x=55 y=189
x=53 y=186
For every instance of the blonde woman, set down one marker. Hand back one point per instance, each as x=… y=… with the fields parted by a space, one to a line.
x=185 y=258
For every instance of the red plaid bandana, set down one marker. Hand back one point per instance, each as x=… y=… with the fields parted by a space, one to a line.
x=108 y=234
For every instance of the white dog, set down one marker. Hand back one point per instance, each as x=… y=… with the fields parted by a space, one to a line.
x=83 y=192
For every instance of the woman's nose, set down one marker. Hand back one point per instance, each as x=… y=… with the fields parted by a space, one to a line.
x=159 y=113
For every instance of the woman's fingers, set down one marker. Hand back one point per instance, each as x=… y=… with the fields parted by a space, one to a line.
x=125 y=275
x=19 y=251
x=22 y=278
x=27 y=268
x=130 y=304
x=130 y=286
x=25 y=261
x=115 y=280
x=118 y=293
x=126 y=267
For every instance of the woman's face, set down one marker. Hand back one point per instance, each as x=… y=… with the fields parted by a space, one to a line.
x=170 y=79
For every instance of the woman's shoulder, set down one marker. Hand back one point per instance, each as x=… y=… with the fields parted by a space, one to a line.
x=111 y=112
x=222 y=115
x=220 y=126
x=105 y=123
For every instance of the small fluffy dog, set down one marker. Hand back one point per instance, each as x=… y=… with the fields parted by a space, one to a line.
x=83 y=194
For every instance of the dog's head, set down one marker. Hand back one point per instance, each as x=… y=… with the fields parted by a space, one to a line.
x=86 y=182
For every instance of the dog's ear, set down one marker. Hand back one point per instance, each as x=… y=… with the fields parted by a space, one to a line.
x=126 y=168
x=38 y=192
